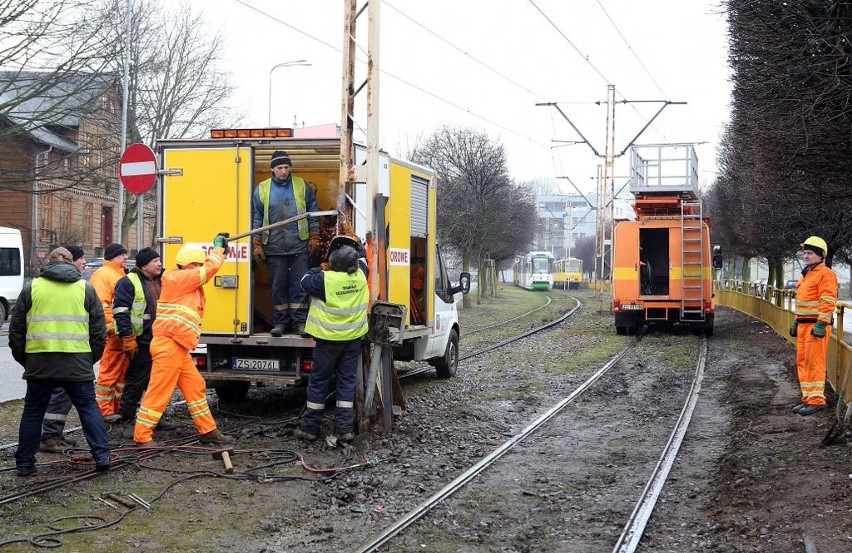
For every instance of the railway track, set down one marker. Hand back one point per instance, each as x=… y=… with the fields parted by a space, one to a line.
x=501 y=343
x=635 y=523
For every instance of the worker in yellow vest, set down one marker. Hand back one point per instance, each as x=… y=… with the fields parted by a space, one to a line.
x=337 y=320
x=285 y=249
x=57 y=333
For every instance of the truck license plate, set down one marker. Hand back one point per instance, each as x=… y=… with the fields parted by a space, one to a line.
x=632 y=307
x=255 y=364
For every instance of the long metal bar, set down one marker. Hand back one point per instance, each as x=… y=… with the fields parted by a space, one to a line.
x=282 y=223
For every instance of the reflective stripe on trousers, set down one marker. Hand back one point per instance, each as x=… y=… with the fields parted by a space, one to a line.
x=811 y=354
x=172 y=366
x=110 y=382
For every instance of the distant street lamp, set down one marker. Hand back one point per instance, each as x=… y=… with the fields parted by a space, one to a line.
x=292 y=63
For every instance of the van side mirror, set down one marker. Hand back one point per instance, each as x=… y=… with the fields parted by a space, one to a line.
x=717 y=256
x=717 y=261
x=464 y=285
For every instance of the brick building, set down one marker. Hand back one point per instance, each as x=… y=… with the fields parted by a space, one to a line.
x=59 y=150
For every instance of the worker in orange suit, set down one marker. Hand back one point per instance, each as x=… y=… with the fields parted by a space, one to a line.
x=176 y=331
x=816 y=296
x=109 y=385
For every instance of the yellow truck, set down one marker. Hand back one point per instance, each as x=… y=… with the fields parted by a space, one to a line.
x=205 y=188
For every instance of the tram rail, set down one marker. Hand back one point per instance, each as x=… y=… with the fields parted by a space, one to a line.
x=629 y=539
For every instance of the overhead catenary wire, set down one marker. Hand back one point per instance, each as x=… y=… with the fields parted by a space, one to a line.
x=632 y=51
x=588 y=60
x=508 y=129
x=401 y=80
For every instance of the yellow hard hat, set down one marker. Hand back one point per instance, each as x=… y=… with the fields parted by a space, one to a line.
x=816 y=242
x=190 y=253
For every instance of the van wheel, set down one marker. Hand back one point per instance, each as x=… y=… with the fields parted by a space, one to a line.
x=231 y=391
x=448 y=365
x=3 y=312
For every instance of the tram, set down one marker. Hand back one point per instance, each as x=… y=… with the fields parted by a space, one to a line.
x=567 y=273
x=534 y=271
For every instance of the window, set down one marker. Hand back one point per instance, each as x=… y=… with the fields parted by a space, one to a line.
x=45 y=215
x=10 y=262
x=65 y=214
x=89 y=222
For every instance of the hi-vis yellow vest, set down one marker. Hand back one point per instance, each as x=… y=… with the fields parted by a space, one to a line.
x=58 y=321
x=343 y=314
x=137 y=308
x=301 y=206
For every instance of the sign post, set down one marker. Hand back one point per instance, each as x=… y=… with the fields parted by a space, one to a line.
x=138 y=168
x=138 y=172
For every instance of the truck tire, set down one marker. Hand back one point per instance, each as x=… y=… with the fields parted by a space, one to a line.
x=232 y=390
x=447 y=365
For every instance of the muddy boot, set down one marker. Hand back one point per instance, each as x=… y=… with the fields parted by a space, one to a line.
x=127 y=428
x=304 y=435
x=165 y=426
x=55 y=445
x=215 y=437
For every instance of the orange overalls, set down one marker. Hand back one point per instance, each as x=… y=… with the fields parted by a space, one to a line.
x=109 y=385
x=176 y=332
x=816 y=296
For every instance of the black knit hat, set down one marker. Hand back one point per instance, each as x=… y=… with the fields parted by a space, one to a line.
x=145 y=256
x=814 y=249
x=114 y=250
x=280 y=157
x=76 y=251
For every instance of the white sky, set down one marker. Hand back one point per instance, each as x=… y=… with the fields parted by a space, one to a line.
x=434 y=57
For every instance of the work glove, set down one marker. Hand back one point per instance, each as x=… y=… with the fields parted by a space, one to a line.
x=819 y=329
x=347 y=229
x=314 y=242
x=257 y=250
x=221 y=241
x=793 y=328
x=129 y=346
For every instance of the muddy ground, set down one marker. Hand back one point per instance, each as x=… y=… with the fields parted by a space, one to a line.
x=749 y=477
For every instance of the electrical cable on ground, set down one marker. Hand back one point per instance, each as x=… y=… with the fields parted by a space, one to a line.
x=278 y=457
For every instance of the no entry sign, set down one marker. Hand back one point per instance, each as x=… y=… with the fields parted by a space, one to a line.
x=138 y=168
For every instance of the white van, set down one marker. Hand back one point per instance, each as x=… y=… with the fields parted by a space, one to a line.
x=11 y=269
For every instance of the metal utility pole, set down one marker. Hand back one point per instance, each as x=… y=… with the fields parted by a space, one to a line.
x=381 y=375
x=607 y=195
x=125 y=94
x=604 y=254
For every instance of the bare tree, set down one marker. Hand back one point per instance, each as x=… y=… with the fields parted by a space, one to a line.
x=786 y=158
x=55 y=67
x=481 y=211
x=177 y=89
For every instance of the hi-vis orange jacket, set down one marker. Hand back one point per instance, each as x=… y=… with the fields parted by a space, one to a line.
x=104 y=281
x=180 y=308
x=816 y=295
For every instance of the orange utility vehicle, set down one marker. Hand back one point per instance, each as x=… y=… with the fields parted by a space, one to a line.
x=663 y=264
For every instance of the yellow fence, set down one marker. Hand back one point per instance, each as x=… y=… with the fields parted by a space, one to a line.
x=775 y=308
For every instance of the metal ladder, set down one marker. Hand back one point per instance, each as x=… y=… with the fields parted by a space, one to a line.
x=692 y=259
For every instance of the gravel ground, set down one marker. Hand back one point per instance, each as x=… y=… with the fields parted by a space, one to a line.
x=749 y=476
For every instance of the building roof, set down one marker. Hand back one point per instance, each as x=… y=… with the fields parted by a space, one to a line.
x=46 y=105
